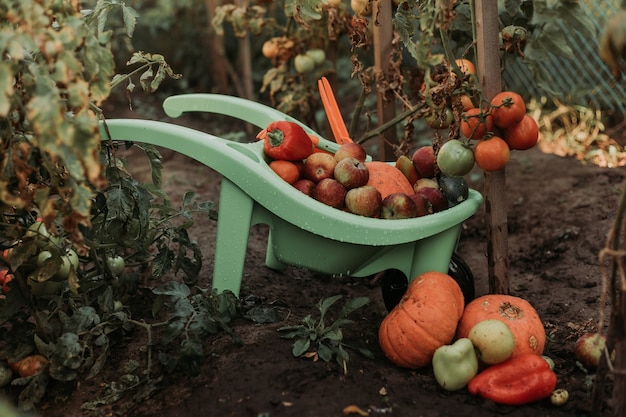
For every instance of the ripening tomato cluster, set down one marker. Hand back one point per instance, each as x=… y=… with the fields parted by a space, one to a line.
x=496 y=130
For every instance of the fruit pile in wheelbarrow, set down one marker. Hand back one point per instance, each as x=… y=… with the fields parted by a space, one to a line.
x=348 y=180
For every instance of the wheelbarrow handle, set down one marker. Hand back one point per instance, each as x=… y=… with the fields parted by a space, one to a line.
x=249 y=111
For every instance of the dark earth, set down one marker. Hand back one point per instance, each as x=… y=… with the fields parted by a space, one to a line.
x=559 y=213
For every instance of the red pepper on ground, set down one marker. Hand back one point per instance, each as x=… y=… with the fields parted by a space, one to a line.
x=286 y=140
x=522 y=379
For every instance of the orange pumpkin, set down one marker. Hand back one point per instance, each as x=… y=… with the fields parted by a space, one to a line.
x=517 y=313
x=388 y=179
x=424 y=320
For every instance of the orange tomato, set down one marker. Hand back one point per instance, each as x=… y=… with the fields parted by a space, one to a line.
x=508 y=109
x=492 y=154
x=465 y=101
x=287 y=170
x=523 y=135
x=270 y=48
x=475 y=123
x=29 y=366
x=466 y=66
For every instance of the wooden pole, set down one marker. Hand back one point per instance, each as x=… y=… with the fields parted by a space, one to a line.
x=383 y=36
x=488 y=66
x=216 y=55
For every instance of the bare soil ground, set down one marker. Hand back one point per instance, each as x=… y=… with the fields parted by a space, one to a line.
x=559 y=213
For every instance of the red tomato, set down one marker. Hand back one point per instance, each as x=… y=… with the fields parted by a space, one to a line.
x=492 y=154
x=508 y=109
x=5 y=278
x=475 y=123
x=523 y=135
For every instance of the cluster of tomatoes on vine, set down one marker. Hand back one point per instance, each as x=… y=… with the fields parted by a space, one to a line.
x=490 y=131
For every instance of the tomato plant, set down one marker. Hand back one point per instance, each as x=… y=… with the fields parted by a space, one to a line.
x=492 y=154
x=455 y=158
x=523 y=135
x=508 y=108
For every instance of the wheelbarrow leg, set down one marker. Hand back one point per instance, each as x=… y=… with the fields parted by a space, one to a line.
x=233 y=228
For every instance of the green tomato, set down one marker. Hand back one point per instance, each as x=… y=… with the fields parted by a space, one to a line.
x=303 y=63
x=455 y=158
x=318 y=55
x=40 y=232
x=439 y=118
x=559 y=397
x=43 y=255
x=42 y=289
x=43 y=237
x=116 y=265
x=68 y=261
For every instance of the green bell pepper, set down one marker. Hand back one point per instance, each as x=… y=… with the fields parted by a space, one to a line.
x=455 y=365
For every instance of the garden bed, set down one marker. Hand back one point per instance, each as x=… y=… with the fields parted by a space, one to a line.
x=559 y=213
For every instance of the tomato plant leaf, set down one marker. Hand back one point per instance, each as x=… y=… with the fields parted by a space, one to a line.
x=34 y=391
x=129 y=16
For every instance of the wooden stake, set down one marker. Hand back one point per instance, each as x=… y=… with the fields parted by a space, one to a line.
x=383 y=34
x=488 y=66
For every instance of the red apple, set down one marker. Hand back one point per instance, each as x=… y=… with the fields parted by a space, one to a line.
x=351 y=150
x=319 y=165
x=364 y=201
x=398 y=206
x=424 y=161
x=588 y=349
x=329 y=191
x=425 y=182
x=304 y=185
x=351 y=173
x=435 y=197
x=422 y=205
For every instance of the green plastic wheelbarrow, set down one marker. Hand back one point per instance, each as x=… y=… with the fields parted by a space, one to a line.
x=302 y=231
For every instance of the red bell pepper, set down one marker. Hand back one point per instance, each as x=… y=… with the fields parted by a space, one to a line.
x=522 y=379
x=286 y=140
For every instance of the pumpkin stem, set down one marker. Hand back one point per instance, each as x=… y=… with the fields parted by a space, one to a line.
x=511 y=311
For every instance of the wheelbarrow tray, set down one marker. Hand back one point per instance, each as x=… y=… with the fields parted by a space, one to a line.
x=302 y=231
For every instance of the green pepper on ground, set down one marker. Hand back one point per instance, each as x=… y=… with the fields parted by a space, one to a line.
x=455 y=365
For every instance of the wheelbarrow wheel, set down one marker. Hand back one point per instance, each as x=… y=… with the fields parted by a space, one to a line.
x=394 y=282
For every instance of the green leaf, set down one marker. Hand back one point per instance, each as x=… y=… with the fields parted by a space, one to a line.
x=353 y=305
x=325 y=352
x=82 y=320
x=129 y=16
x=6 y=88
x=325 y=304
x=300 y=347
x=173 y=288
x=32 y=394
x=145 y=78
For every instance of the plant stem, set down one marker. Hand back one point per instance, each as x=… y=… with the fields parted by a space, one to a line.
x=375 y=132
